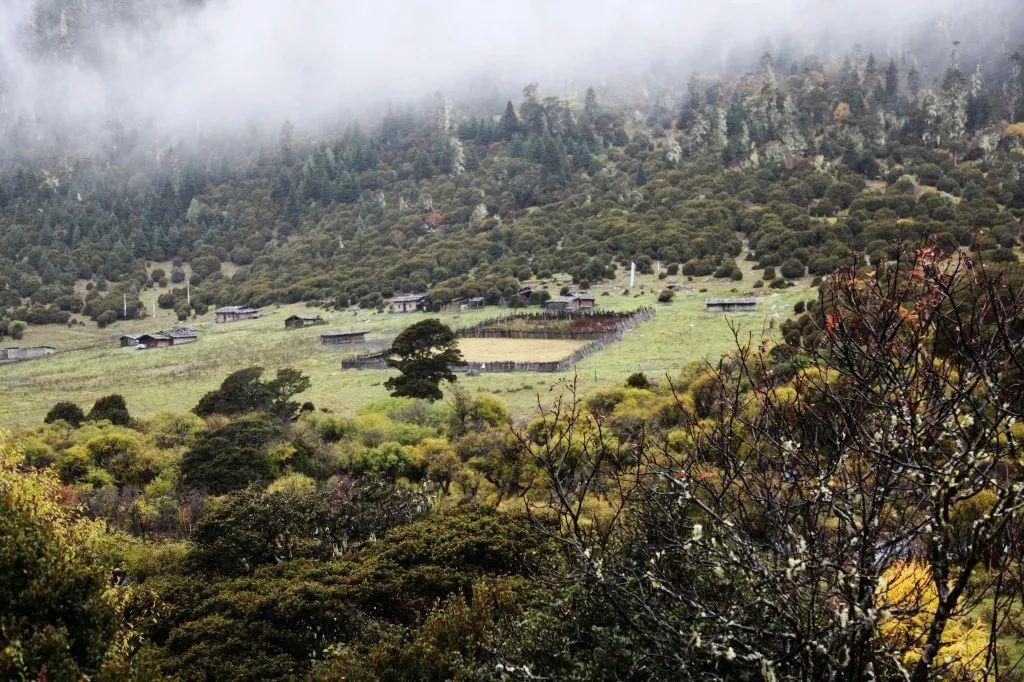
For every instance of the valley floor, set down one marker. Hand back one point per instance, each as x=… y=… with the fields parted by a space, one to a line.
x=89 y=362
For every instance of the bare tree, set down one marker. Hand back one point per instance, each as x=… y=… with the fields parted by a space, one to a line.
x=839 y=510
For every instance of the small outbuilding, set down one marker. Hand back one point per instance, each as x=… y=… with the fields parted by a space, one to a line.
x=154 y=340
x=299 y=320
x=560 y=303
x=460 y=304
x=343 y=337
x=17 y=354
x=234 y=313
x=180 y=335
x=723 y=305
x=161 y=339
x=585 y=301
x=571 y=302
x=408 y=303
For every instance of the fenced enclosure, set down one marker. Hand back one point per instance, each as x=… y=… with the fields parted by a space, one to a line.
x=599 y=328
x=585 y=325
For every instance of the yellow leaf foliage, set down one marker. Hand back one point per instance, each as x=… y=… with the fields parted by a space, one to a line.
x=907 y=598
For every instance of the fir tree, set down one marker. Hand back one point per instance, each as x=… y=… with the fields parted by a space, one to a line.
x=509 y=124
x=892 y=83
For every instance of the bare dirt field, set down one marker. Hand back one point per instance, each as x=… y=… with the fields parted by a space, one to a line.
x=517 y=350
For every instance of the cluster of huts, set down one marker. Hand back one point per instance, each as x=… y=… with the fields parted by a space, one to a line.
x=161 y=339
x=17 y=354
x=333 y=337
x=410 y=303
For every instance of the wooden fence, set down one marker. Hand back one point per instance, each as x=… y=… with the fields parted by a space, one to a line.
x=377 y=361
x=597 y=341
x=622 y=321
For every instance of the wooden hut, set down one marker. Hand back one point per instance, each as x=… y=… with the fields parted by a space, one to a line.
x=161 y=339
x=585 y=301
x=343 y=337
x=300 y=320
x=571 y=302
x=17 y=354
x=460 y=304
x=155 y=340
x=408 y=303
x=723 y=305
x=180 y=335
x=234 y=313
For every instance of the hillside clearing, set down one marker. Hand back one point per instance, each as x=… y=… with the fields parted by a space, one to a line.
x=90 y=363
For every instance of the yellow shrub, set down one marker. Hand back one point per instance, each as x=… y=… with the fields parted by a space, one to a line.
x=907 y=598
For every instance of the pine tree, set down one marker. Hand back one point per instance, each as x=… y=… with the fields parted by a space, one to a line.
x=509 y=124
x=717 y=137
x=423 y=167
x=642 y=176
x=768 y=71
x=286 y=143
x=591 y=109
x=892 y=83
x=1015 y=88
x=913 y=82
x=954 y=91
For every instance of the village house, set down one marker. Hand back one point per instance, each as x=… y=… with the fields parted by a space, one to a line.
x=585 y=302
x=342 y=337
x=180 y=335
x=17 y=354
x=299 y=320
x=408 y=303
x=722 y=305
x=154 y=340
x=460 y=304
x=161 y=339
x=233 y=313
x=560 y=303
x=571 y=302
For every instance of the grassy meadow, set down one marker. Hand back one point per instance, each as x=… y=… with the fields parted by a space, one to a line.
x=90 y=363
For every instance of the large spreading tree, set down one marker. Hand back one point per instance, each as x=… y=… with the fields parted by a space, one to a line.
x=424 y=354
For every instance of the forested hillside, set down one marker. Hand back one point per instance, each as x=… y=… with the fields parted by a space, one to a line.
x=806 y=162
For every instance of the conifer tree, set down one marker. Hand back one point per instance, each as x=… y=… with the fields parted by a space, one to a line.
x=509 y=124
x=892 y=83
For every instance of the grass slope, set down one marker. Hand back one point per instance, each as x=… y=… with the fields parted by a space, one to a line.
x=90 y=363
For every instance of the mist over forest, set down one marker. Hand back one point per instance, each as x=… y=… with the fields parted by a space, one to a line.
x=74 y=73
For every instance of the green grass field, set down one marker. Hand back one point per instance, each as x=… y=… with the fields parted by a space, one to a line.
x=90 y=363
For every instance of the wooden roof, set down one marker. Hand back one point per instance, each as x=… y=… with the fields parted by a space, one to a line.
x=345 y=333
